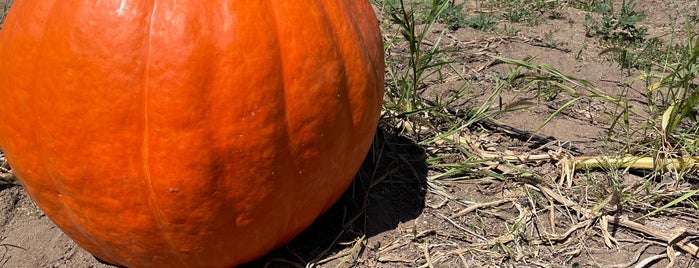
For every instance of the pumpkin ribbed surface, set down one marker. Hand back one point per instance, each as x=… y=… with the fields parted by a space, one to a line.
x=187 y=133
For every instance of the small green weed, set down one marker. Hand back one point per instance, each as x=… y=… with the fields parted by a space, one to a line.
x=617 y=28
x=454 y=17
x=483 y=22
x=508 y=30
x=518 y=14
x=644 y=55
x=644 y=58
x=675 y=97
x=530 y=12
x=550 y=41
x=598 y=6
x=415 y=20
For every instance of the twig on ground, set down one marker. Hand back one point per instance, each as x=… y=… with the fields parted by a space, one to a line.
x=347 y=255
x=393 y=259
x=637 y=256
x=393 y=245
x=609 y=240
x=559 y=238
x=481 y=205
x=647 y=262
x=428 y=259
x=461 y=227
x=670 y=237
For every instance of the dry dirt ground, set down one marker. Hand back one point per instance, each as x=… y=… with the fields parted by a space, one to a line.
x=393 y=216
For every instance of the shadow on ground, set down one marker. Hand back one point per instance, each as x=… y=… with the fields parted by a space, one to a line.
x=388 y=189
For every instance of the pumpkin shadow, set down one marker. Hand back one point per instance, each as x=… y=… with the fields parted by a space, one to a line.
x=388 y=189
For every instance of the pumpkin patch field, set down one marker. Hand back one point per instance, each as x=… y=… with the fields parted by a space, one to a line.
x=382 y=133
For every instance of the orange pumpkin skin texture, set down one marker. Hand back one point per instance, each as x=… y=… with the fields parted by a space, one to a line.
x=187 y=133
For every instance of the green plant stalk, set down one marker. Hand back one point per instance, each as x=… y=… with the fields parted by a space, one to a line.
x=419 y=61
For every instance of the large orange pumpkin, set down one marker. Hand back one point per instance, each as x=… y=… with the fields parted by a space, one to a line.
x=187 y=133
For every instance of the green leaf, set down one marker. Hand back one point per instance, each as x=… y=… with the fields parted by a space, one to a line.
x=665 y=121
